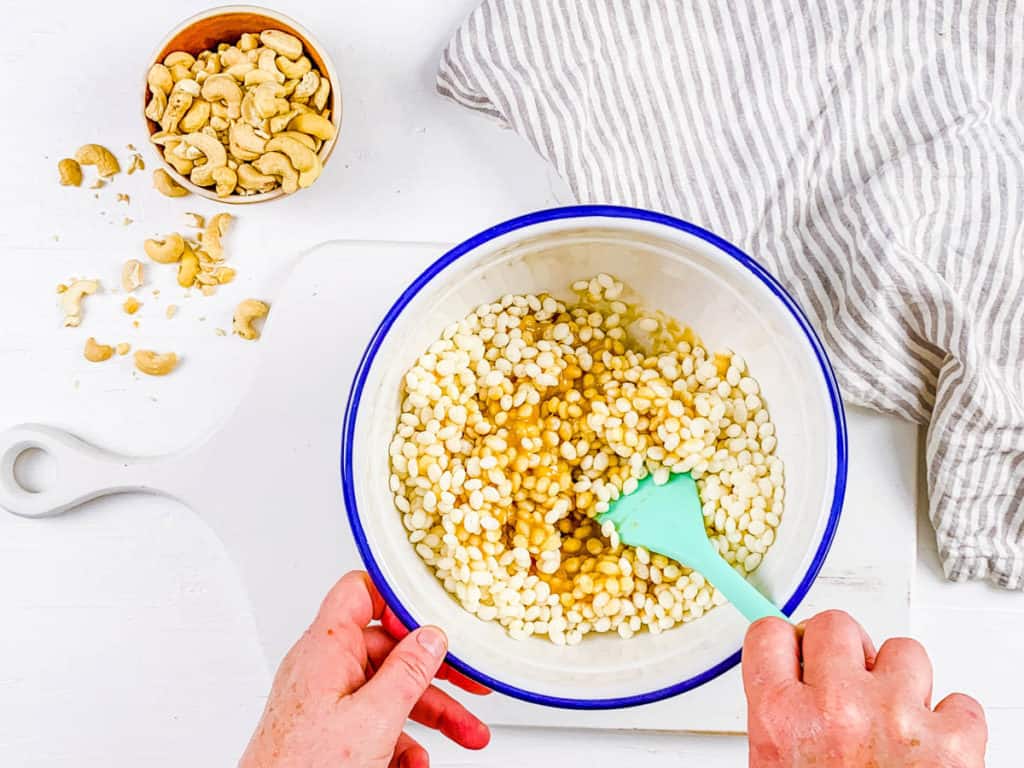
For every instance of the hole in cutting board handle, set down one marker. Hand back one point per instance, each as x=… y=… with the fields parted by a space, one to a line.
x=35 y=470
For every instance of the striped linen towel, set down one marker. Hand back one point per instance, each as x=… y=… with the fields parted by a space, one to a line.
x=870 y=154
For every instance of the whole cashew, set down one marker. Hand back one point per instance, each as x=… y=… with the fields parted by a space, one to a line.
x=258 y=76
x=166 y=251
x=154 y=363
x=97 y=353
x=181 y=164
x=224 y=88
x=179 y=57
x=226 y=180
x=314 y=125
x=293 y=70
x=131 y=275
x=240 y=71
x=248 y=42
x=277 y=164
x=196 y=117
x=244 y=143
x=322 y=92
x=71 y=300
x=188 y=269
x=279 y=123
x=283 y=43
x=302 y=158
x=251 y=179
x=214 y=230
x=94 y=154
x=233 y=56
x=267 y=61
x=216 y=157
x=157 y=105
x=245 y=314
x=307 y=86
x=178 y=104
x=159 y=77
x=265 y=98
x=180 y=72
x=167 y=186
x=303 y=138
x=70 y=172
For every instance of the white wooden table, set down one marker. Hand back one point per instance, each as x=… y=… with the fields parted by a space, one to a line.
x=125 y=638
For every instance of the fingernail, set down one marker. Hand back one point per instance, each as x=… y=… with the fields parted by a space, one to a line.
x=433 y=640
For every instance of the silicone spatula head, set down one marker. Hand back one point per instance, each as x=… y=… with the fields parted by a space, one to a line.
x=669 y=519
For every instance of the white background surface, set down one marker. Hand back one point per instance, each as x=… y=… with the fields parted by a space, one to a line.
x=125 y=638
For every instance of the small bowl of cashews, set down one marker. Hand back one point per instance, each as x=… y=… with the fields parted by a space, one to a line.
x=242 y=105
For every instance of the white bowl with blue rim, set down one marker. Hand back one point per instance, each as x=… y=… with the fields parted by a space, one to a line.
x=687 y=272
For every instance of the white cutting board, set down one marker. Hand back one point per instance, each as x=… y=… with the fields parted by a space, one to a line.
x=267 y=482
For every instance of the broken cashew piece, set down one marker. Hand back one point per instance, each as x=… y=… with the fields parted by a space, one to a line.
x=246 y=313
x=194 y=220
x=71 y=300
x=70 y=172
x=131 y=275
x=155 y=363
x=287 y=45
x=123 y=348
x=166 y=251
x=277 y=164
x=164 y=184
x=188 y=269
x=97 y=353
x=98 y=155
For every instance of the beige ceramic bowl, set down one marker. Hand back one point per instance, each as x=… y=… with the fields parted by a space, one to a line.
x=226 y=24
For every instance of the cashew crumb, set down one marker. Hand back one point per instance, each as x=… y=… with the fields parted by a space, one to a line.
x=123 y=348
x=220 y=332
x=136 y=164
x=171 y=310
x=195 y=220
x=98 y=184
x=123 y=198
x=131 y=275
x=131 y=305
x=208 y=290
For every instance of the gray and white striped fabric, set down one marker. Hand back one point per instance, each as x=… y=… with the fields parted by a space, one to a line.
x=870 y=154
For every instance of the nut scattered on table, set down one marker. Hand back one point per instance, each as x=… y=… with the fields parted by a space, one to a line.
x=72 y=297
x=100 y=157
x=131 y=305
x=95 y=352
x=123 y=348
x=244 y=118
x=70 y=172
x=155 y=363
x=131 y=275
x=245 y=315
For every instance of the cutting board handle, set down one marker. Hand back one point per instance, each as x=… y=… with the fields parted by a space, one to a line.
x=84 y=472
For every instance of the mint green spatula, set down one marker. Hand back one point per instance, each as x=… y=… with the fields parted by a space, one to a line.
x=668 y=519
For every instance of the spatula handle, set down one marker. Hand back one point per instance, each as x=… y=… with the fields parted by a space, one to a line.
x=740 y=592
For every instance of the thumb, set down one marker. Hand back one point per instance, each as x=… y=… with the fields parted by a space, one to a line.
x=403 y=678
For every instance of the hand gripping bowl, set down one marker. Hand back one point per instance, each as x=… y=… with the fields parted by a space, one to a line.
x=691 y=274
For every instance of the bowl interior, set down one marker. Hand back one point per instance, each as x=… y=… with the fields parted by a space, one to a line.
x=204 y=32
x=728 y=306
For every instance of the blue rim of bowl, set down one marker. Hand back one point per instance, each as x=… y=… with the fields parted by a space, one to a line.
x=575 y=212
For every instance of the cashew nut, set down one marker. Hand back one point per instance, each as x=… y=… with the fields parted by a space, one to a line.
x=266 y=97
x=293 y=70
x=233 y=56
x=159 y=78
x=277 y=164
x=246 y=313
x=167 y=186
x=180 y=72
x=322 y=92
x=155 y=363
x=258 y=76
x=181 y=164
x=280 y=122
x=123 y=348
x=224 y=275
x=307 y=86
x=248 y=42
x=166 y=251
x=131 y=305
x=254 y=181
x=70 y=172
x=226 y=180
x=196 y=117
x=71 y=300
x=283 y=43
x=178 y=104
x=131 y=274
x=157 y=105
x=95 y=154
x=189 y=86
x=302 y=158
x=188 y=269
x=224 y=88
x=179 y=57
x=267 y=62
x=194 y=220
x=215 y=229
x=97 y=353
x=244 y=143
x=303 y=138
x=314 y=125
x=241 y=71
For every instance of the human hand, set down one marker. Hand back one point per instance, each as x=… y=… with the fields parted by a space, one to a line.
x=342 y=695
x=848 y=707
